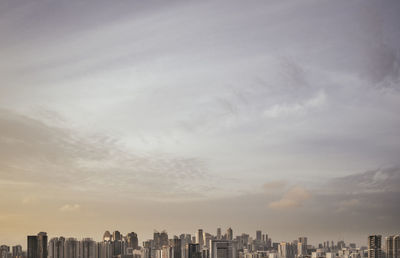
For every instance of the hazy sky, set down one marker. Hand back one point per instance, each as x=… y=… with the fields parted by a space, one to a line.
x=177 y=115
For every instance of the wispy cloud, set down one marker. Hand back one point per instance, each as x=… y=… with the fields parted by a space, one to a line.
x=70 y=207
x=293 y=198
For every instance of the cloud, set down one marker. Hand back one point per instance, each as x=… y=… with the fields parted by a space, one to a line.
x=274 y=186
x=33 y=152
x=30 y=200
x=69 y=207
x=282 y=110
x=294 y=198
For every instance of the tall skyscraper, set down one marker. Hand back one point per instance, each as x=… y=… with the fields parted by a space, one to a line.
x=37 y=246
x=132 y=240
x=229 y=234
x=258 y=235
x=71 y=248
x=374 y=246
x=4 y=251
x=56 y=247
x=42 y=245
x=219 y=235
x=107 y=236
x=193 y=251
x=302 y=246
x=116 y=236
x=16 y=251
x=87 y=248
x=389 y=247
x=164 y=238
x=393 y=246
x=200 y=238
x=176 y=247
x=396 y=246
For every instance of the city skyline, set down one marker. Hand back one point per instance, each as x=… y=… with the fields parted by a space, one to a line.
x=276 y=115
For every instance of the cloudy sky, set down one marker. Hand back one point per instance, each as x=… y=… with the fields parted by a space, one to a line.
x=177 y=115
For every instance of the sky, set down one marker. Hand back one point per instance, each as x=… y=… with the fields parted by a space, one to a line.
x=141 y=115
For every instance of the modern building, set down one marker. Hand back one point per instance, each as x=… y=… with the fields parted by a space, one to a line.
x=200 y=238
x=286 y=250
x=193 y=251
x=392 y=246
x=229 y=234
x=223 y=249
x=37 y=246
x=132 y=240
x=374 y=246
x=56 y=247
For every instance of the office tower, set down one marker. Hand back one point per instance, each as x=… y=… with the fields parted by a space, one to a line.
x=37 y=246
x=302 y=246
x=87 y=248
x=396 y=246
x=104 y=249
x=223 y=249
x=393 y=246
x=107 y=236
x=71 y=248
x=17 y=251
x=193 y=251
x=219 y=235
x=374 y=246
x=116 y=236
x=4 y=251
x=200 y=238
x=163 y=238
x=156 y=240
x=286 y=250
x=229 y=234
x=56 y=247
x=207 y=238
x=176 y=248
x=42 y=245
x=258 y=235
x=132 y=240
x=116 y=243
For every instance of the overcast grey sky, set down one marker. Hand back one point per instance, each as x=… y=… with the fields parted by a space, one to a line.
x=177 y=115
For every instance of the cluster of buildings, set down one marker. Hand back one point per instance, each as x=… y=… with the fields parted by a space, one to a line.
x=200 y=245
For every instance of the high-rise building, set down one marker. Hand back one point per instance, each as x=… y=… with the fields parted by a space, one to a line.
x=71 y=248
x=200 y=238
x=176 y=248
x=4 y=251
x=17 y=251
x=87 y=248
x=389 y=247
x=393 y=246
x=286 y=250
x=37 y=246
x=229 y=234
x=219 y=235
x=302 y=246
x=258 y=235
x=104 y=249
x=42 y=245
x=193 y=251
x=132 y=240
x=107 y=236
x=374 y=246
x=164 y=238
x=396 y=246
x=56 y=247
x=223 y=249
